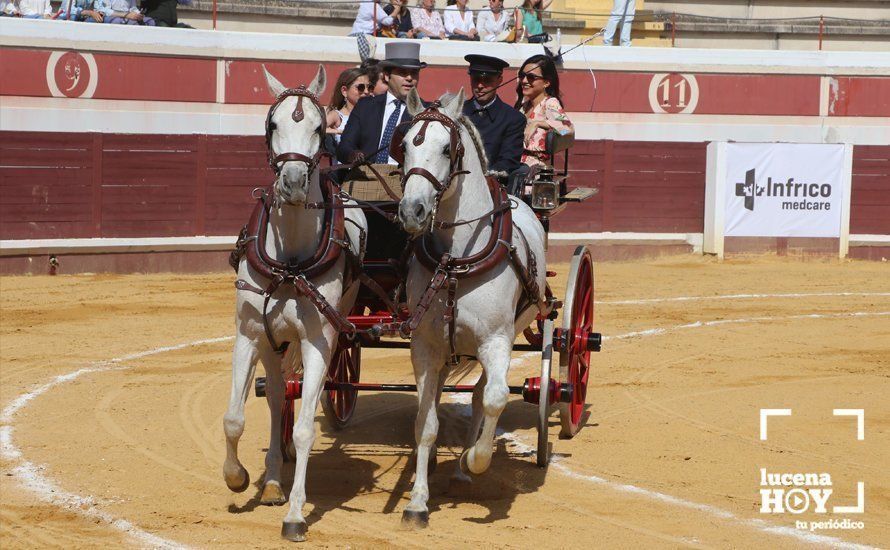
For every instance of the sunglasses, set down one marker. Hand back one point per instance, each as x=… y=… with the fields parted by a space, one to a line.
x=530 y=78
x=362 y=87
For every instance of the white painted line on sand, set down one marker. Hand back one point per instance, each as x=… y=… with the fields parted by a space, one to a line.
x=737 y=297
x=32 y=477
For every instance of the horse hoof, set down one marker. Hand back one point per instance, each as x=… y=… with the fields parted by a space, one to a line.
x=272 y=495
x=239 y=487
x=294 y=532
x=465 y=465
x=415 y=520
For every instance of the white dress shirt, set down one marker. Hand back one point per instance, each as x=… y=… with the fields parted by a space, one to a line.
x=489 y=28
x=455 y=22
x=387 y=111
x=364 y=19
x=35 y=7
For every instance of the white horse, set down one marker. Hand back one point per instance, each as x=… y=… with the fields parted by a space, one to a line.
x=294 y=131
x=486 y=304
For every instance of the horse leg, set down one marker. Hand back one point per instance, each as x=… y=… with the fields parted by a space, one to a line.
x=316 y=355
x=495 y=358
x=426 y=427
x=272 y=493
x=244 y=358
x=459 y=476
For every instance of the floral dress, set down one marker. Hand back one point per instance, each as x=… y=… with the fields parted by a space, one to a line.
x=550 y=110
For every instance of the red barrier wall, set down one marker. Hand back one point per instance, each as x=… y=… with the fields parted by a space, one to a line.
x=121 y=185
x=870 y=196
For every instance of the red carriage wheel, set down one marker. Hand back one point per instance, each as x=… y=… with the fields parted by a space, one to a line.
x=345 y=368
x=577 y=325
x=287 y=411
x=545 y=407
x=287 y=431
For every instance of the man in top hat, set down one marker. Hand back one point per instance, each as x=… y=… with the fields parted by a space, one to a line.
x=373 y=120
x=501 y=126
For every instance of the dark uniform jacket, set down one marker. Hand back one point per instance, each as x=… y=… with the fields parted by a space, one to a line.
x=364 y=127
x=502 y=128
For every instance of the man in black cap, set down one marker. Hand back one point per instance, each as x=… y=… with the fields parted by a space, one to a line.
x=373 y=120
x=502 y=127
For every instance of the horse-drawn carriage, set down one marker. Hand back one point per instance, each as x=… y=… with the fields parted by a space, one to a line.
x=414 y=290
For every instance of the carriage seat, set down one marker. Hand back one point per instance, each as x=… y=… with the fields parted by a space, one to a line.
x=362 y=184
x=557 y=143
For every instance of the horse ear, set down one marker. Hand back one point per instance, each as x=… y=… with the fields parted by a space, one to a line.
x=415 y=105
x=276 y=88
x=455 y=107
x=319 y=82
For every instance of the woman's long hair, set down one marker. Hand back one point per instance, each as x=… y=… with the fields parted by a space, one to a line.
x=529 y=5
x=548 y=71
x=347 y=77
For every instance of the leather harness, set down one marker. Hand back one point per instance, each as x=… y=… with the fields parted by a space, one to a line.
x=334 y=240
x=448 y=270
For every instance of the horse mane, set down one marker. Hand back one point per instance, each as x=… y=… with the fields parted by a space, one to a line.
x=464 y=121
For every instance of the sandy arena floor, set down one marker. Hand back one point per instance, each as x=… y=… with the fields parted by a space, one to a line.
x=113 y=390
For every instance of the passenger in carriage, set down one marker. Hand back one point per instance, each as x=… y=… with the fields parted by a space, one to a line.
x=539 y=99
x=500 y=125
x=352 y=85
x=373 y=121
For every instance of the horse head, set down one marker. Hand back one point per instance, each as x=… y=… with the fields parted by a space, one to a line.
x=295 y=129
x=433 y=152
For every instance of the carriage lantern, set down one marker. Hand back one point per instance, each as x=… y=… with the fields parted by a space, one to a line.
x=545 y=191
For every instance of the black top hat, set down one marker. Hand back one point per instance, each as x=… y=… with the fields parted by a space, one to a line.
x=485 y=64
x=403 y=54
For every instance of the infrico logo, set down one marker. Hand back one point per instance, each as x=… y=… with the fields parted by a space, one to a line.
x=787 y=189
x=796 y=493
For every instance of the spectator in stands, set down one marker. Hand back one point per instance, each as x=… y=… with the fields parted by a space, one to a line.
x=35 y=9
x=493 y=24
x=529 y=27
x=427 y=21
x=7 y=8
x=352 y=85
x=370 y=17
x=402 y=27
x=162 y=11
x=539 y=99
x=459 y=21
x=373 y=121
x=623 y=11
x=125 y=12
x=81 y=10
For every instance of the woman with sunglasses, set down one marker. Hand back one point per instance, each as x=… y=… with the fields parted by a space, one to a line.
x=538 y=98
x=352 y=85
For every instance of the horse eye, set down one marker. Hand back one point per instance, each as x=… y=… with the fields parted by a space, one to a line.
x=273 y=126
x=445 y=150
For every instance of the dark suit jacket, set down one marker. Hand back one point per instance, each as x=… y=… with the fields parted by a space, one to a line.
x=363 y=129
x=502 y=129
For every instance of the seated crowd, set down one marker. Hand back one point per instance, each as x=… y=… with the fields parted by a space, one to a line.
x=456 y=22
x=370 y=100
x=161 y=13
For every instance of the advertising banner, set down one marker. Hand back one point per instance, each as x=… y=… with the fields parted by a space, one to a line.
x=783 y=190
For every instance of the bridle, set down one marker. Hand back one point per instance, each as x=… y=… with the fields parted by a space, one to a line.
x=275 y=161
x=455 y=150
